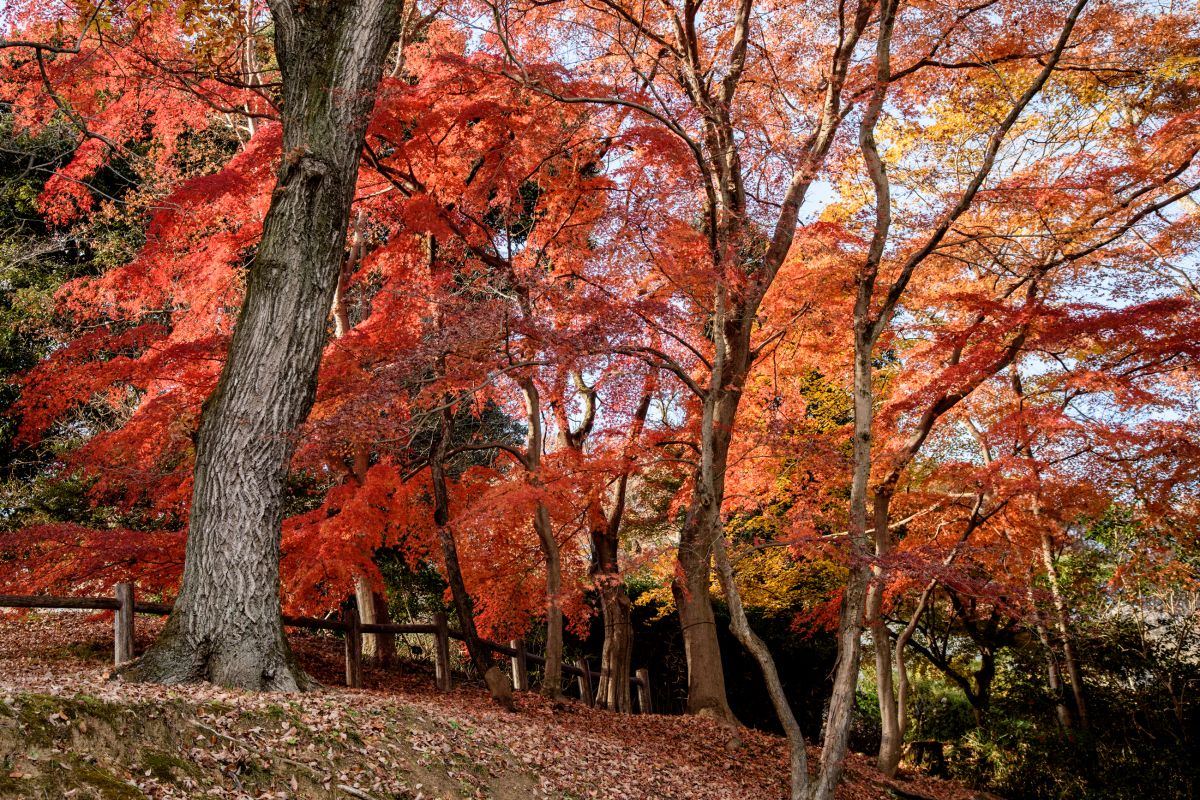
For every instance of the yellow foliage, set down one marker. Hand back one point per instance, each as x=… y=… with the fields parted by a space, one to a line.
x=772 y=582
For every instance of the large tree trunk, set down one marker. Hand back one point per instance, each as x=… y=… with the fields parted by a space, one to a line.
x=226 y=625
x=701 y=527
x=706 y=674
x=616 y=657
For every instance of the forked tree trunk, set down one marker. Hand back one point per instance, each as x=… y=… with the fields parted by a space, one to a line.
x=616 y=655
x=226 y=625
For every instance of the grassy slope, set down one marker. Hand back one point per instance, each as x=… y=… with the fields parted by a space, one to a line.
x=67 y=731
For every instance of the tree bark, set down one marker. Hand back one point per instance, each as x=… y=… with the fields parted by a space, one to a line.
x=226 y=625
x=616 y=657
x=1053 y=676
x=1063 y=625
x=552 y=677
x=891 y=741
x=740 y=625
x=372 y=609
x=701 y=528
x=854 y=597
x=544 y=527
x=497 y=682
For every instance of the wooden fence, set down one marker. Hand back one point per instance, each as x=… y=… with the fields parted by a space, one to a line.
x=124 y=604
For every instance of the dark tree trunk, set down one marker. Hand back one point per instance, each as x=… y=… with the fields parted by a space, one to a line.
x=497 y=682
x=1053 y=676
x=616 y=658
x=226 y=626
x=543 y=526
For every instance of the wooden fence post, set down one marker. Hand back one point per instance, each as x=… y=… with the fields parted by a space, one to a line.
x=442 y=652
x=585 y=681
x=123 y=624
x=353 y=647
x=520 y=666
x=643 y=691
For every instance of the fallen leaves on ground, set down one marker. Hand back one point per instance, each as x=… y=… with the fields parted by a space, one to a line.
x=64 y=723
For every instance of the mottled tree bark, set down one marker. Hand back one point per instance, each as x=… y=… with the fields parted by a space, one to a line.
x=226 y=625
x=701 y=528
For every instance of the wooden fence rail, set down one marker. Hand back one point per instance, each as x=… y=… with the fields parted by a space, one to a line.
x=124 y=604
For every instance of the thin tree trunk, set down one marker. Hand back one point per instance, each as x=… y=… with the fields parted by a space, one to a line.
x=893 y=703
x=1062 y=623
x=371 y=607
x=891 y=741
x=740 y=625
x=854 y=597
x=902 y=682
x=364 y=598
x=498 y=683
x=1053 y=676
x=552 y=677
x=226 y=625
x=544 y=527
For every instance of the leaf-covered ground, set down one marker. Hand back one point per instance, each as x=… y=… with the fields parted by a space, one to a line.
x=67 y=730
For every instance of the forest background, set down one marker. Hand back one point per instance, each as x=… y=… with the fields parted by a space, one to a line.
x=824 y=323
